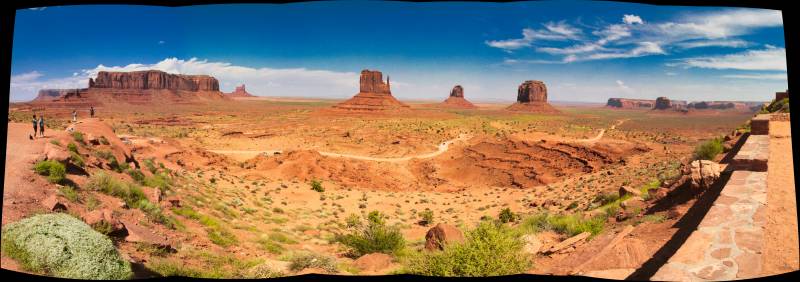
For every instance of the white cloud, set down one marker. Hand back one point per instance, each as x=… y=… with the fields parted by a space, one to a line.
x=766 y=59
x=632 y=19
x=624 y=88
x=552 y=31
x=38 y=9
x=722 y=24
x=644 y=49
x=761 y=76
x=26 y=86
x=733 y=43
x=669 y=73
x=161 y=42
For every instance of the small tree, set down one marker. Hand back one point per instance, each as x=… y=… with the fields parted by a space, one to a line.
x=316 y=185
x=506 y=215
x=374 y=237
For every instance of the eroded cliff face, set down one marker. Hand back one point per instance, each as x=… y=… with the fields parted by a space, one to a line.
x=532 y=97
x=630 y=103
x=153 y=79
x=457 y=91
x=457 y=100
x=532 y=91
x=53 y=94
x=240 y=92
x=372 y=82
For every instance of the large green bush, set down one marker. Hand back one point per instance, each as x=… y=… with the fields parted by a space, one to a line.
x=491 y=249
x=374 y=237
x=63 y=246
x=55 y=171
x=708 y=150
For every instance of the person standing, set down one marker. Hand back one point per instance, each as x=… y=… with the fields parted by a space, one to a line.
x=35 y=128
x=41 y=126
x=91 y=111
x=75 y=115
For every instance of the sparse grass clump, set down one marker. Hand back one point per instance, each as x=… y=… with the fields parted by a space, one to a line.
x=55 y=171
x=426 y=217
x=63 y=246
x=489 y=250
x=78 y=137
x=708 y=150
x=136 y=175
x=70 y=193
x=374 y=237
x=132 y=194
x=316 y=185
x=506 y=215
x=569 y=225
x=305 y=260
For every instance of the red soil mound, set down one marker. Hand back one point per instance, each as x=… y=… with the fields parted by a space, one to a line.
x=526 y=164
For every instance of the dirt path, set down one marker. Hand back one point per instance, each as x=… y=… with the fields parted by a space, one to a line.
x=443 y=147
x=20 y=153
x=781 y=252
x=602 y=132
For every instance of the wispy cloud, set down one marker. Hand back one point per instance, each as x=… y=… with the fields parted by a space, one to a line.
x=634 y=37
x=759 y=76
x=161 y=42
x=772 y=58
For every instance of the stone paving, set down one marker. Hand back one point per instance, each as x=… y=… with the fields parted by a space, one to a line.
x=753 y=155
x=727 y=244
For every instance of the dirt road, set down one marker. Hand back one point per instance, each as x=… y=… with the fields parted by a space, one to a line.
x=602 y=132
x=20 y=153
x=443 y=147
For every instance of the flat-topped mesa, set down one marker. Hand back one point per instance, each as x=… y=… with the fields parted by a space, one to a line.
x=239 y=92
x=623 y=103
x=662 y=103
x=373 y=95
x=457 y=100
x=532 y=97
x=154 y=79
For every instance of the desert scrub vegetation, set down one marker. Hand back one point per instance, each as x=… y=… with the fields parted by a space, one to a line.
x=506 y=215
x=570 y=225
x=426 y=217
x=78 y=137
x=132 y=194
x=372 y=237
x=316 y=185
x=212 y=266
x=55 y=171
x=217 y=233
x=60 y=245
x=303 y=260
x=491 y=249
x=708 y=149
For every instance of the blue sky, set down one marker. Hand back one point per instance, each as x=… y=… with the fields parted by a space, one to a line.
x=583 y=51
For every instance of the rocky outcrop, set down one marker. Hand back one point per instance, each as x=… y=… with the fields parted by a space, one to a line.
x=456 y=99
x=154 y=79
x=704 y=173
x=723 y=105
x=373 y=262
x=374 y=95
x=52 y=94
x=662 y=103
x=441 y=235
x=623 y=103
x=239 y=92
x=532 y=97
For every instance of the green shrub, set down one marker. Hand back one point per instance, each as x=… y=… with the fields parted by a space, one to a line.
x=569 y=225
x=137 y=175
x=148 y=163
x=78 y=136
x=353 y=220
x=316 y=185
x=55 y=142
x=261 y=271
x=69 y=193
x=72 y=147
x=281 y=237
x=160 y=181
x=506 y=215
x=708 y=150
x=55 y=171
x=489 y=250
x=426 y=216
x=311 y=260
x=374 y=237
x=168 y=268
x=63 y=246
x=103 y=140
x=76 y=159
x=221 y=236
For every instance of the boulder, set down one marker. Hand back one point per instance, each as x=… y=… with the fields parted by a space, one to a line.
x=373 y=262
x=531 y=244
x=569 y=242
x=97 y=216
x=55 y=203
x=704 y=173
x=55 y=153
x=174 y=201
x=633 y=203
x=139 y=234
x=441 y=235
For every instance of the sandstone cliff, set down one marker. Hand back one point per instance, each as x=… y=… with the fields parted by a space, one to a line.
x=153 y=79
x=239 y=92
x=457 y=100
x=374 y=95
x=630 y=103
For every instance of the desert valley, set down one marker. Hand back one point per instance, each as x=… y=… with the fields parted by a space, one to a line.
x=187 y=180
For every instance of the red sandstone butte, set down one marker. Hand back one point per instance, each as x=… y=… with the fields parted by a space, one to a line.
x=239 y=92
x=374 y=95
x=456 y=99
x=138 y=87
x=623 y=103
x=532 y=97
